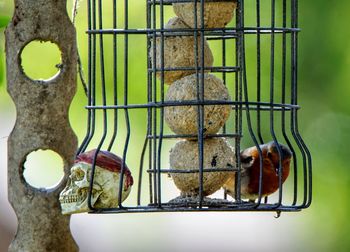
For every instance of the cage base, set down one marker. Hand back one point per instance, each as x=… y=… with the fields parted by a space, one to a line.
x=188 y=204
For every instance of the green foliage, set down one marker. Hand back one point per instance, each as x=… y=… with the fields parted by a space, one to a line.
x=4 y=20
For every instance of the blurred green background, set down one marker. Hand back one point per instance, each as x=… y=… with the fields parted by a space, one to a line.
x=324 y=121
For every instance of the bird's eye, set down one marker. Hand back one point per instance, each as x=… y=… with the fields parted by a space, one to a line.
x=246 y=160
x=269 y=155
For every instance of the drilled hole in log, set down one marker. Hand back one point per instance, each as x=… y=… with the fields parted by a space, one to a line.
x=43 y=169
x=41 y=60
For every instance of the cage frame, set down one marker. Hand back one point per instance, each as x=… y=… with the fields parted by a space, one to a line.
x=240 y=104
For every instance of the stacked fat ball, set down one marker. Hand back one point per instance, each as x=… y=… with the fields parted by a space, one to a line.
x=179 y=52
x=179 y=55
x=215 y=14
x=185 y=156
x=184 y=119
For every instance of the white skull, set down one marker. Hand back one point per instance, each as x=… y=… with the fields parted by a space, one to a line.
x=74 y=197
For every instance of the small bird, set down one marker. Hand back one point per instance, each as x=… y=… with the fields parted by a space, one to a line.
x=250 y=161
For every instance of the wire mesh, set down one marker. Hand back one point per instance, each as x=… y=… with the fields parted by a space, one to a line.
x=256 y=57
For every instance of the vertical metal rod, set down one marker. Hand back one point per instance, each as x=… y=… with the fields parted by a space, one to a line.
x=258 y=65
x=93 y=101
x=161 y=120
x=139 y=186
x=223 y=44
x=126 y=93
x=104 y=102
x=308 y=161
x=103 y=79
x=200 y=92
x=238 y=108
x=306 y=156
x=272 y=90
x=90 y=129
x=294 y=97
x=155 y=177
x=246 y=100
x=201 y=117
x=283 y=101
x=115 y=77
x=149 y=94
x=92 y=75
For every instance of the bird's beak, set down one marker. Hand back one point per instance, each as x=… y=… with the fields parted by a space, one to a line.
x=283 y=155
x=277 y=170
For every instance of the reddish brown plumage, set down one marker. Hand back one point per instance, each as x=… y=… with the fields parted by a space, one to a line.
x=250 y=173
x=108 y=161
x=270 y=182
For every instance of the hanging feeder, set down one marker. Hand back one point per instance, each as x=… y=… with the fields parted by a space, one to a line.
x=221 y=90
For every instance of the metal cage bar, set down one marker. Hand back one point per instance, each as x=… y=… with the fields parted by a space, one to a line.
x=257 y=116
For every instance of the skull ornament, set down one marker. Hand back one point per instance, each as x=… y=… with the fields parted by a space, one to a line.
x=105 y=190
